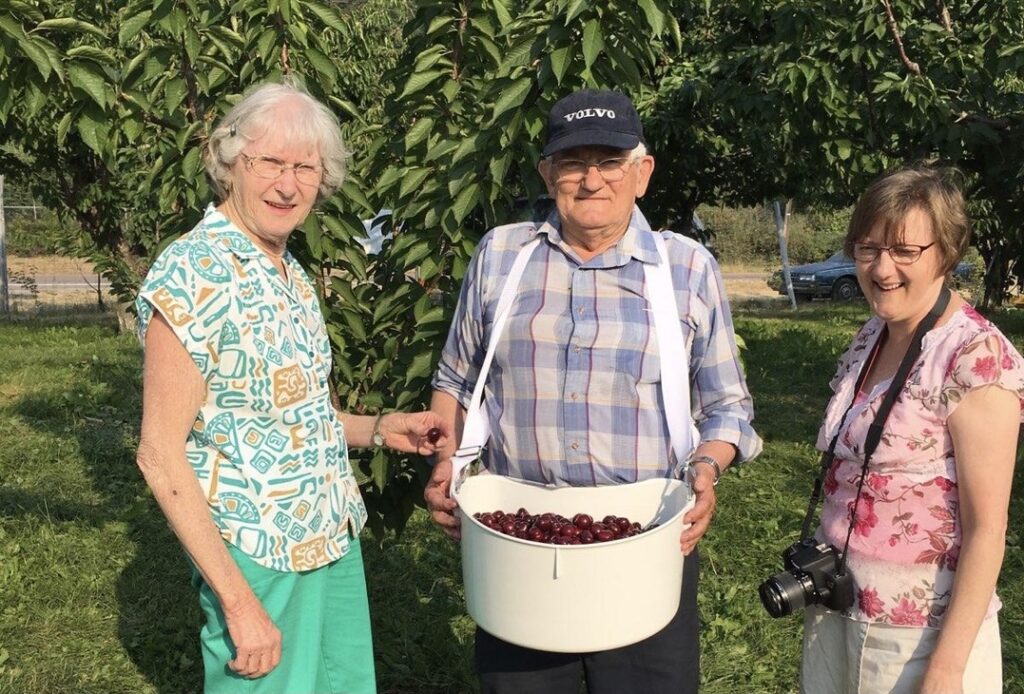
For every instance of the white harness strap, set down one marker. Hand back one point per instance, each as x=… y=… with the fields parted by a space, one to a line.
x=675 y=382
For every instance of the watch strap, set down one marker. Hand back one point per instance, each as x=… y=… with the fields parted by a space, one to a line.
x=708 y=460
x=377 y=438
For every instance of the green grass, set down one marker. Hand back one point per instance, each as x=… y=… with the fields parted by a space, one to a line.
x=94 y=593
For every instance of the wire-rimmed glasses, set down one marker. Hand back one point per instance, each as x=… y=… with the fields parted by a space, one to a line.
x=273 y=168
x=612 y=169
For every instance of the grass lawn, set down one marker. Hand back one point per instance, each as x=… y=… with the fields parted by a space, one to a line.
x=94 y=592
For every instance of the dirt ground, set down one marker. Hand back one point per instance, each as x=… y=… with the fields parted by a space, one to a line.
x=50 y=265
x=41 y=267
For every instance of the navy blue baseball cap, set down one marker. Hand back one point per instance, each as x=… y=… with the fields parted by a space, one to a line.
x=593 y=117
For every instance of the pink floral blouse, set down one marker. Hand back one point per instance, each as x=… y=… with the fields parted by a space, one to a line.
x=904 y=548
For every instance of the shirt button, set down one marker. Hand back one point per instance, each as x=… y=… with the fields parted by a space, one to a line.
x=580 y=310
x=573 y=396
x=575 y=445
x=576 y=349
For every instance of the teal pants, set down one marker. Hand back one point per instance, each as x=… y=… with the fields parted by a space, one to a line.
x=324 y=619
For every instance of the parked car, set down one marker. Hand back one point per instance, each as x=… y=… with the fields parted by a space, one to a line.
x=834 y=278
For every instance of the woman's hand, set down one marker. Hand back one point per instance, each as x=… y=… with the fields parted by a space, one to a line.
x=256 y=639
x=938 y=680
x=418 y=432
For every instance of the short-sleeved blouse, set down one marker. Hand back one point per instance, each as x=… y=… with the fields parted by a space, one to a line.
x=267 y=446
x=906 y=540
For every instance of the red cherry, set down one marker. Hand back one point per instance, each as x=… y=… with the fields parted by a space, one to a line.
x=586 y=537
x=434 y=435
x=582 y=521
x=604 y=536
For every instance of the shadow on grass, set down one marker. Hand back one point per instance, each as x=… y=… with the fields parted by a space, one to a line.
x=158 y=619
x=414 y=579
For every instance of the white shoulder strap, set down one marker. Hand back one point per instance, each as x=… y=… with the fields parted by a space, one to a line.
x=675 y=361
x=476 y=430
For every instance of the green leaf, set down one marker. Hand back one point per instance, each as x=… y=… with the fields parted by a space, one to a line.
x=174 y=94
x=265 y=44
x=131 y=27
x=38 y=56
x=313 y=234
x=92 y=53
x=559 y=60
x=71 y=24
x=655 y=17
x=356 y=195
x=62 y=128
x=92 y=131
x=190 y=165
x=422 y=366
x=592 y=42
x=327 y=15
x=512 y=96
x=322 y=64
x=379 y=466
x=88 y=78
x=418 y=132
x=501 y=11
x=193 y=45
x=11 y=27
x=465 y=201
x=412 y=180
x=574 y=9
x=419 y=81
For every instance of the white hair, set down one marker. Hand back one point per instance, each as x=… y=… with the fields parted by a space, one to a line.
x=638 y=152
x=256 y=115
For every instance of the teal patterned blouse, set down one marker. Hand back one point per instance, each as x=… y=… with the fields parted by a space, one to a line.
x=267 y=446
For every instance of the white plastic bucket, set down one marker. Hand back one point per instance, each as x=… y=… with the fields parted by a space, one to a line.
x=573 y=598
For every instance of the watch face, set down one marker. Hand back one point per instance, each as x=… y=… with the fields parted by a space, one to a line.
x=378 y=439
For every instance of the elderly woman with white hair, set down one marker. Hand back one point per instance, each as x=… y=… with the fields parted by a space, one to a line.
x=240 y=443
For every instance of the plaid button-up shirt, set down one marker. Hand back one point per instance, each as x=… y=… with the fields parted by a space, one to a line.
x=573 y=394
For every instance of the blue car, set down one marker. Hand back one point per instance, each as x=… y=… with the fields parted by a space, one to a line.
x=834 y=278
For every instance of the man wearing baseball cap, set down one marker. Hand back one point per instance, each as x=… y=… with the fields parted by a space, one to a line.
x=579 y=393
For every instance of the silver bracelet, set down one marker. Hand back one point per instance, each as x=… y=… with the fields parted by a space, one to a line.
x=708 y=460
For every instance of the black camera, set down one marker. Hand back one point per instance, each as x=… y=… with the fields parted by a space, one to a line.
x=811 y=578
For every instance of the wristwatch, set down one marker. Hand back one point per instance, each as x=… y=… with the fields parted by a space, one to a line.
x=377 y=438
x=708 y=460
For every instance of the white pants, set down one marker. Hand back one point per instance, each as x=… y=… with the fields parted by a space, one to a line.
x=844 y=656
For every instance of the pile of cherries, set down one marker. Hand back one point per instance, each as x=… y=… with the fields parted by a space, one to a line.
x=555 y=529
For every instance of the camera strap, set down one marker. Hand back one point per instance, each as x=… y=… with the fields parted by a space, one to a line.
x=875 y=430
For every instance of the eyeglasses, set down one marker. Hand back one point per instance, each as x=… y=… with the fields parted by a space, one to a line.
x=273 y=168
x=901 y=254
x=575 y=170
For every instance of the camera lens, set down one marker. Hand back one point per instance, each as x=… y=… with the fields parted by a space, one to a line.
x=784 y=593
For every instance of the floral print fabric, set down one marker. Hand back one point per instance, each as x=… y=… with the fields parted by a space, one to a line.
x=906 y=539
x=267 y=447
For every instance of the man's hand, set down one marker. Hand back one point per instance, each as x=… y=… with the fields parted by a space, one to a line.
x=256 y=639
x=699 y=517
x=439 y=503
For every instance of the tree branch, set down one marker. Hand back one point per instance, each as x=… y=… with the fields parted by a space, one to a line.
x=890 y=21
x=940 y=5
x=995 y=123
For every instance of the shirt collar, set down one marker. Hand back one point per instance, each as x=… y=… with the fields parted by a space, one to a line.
x=635 y=243
x=224 y=232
